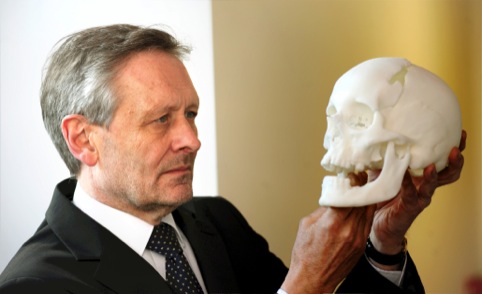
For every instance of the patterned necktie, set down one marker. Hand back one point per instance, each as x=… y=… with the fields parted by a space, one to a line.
x=179 y=274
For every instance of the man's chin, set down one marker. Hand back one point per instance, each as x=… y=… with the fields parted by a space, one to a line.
x=172 y=201
x=163 y=206
x=181 y=200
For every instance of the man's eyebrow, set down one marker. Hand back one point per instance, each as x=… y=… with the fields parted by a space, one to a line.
x=155 y=111
x=193 y=105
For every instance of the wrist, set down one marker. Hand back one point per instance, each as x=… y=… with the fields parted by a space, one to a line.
x=383 y=260
x=388 y=246
x=305 y=282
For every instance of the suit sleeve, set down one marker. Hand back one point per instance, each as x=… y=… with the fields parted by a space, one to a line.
x=365 y=279
x=256 y=268
x=29 y=285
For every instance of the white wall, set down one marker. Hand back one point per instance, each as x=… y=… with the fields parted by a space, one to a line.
x=29 y=164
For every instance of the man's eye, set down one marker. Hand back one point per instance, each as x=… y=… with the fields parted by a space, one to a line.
x=191 y=114
x=163 y=118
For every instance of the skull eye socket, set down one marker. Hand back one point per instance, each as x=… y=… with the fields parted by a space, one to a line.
x=358 y=116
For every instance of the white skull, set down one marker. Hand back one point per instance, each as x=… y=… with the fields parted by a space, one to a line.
x=388 y=114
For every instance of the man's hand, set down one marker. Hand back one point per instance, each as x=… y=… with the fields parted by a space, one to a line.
x=329 y=243
x=393 y=218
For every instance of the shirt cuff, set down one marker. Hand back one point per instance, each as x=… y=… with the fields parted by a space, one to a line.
x=395 y=277
x=281 y=291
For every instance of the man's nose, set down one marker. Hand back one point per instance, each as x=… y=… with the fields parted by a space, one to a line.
x=185 y=137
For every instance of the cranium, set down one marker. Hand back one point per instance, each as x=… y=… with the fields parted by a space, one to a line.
x=387 y=114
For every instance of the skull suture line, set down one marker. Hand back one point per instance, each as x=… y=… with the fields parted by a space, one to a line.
x=387 y=114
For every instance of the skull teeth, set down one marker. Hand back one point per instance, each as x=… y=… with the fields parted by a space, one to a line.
x=340 y=183
x=345 y=169
x=359 y=167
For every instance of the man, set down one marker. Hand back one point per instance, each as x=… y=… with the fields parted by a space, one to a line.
x=120 y=108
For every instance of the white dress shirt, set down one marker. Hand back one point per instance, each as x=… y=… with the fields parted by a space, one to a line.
x=134 y=232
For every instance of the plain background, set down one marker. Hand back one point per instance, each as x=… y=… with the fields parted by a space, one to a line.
x=30 y=166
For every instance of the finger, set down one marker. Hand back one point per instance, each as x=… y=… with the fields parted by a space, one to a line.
x=463 y=138
x=326 y=215
x=345 y=212
x=364 y=214
x=408 y=189
x=358 y=222
x=315 y=215
x=370 y=213
x=452 y=172
x=429 y=184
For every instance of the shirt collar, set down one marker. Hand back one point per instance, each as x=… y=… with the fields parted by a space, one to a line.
x=132 y=230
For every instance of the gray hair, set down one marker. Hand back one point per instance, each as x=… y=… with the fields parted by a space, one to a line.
x=78 y=75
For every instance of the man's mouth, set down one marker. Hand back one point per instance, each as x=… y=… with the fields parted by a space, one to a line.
x=179 y=170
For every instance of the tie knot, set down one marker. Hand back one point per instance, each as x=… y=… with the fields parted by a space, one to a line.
x=164 y=241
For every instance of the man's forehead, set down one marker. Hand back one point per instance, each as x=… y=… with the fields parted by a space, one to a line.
x=145 y=63
x=153 y=76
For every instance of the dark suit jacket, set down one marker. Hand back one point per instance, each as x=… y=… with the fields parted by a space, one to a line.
x=71 y=253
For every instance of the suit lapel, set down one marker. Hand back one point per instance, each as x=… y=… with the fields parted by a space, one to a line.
x=119 y=268
x=124 y=271
x=209 y=248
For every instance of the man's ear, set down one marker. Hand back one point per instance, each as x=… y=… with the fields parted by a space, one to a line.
x=77 y=134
